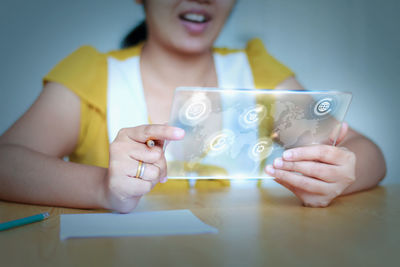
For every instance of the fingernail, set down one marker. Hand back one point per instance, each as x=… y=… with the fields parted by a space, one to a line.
x=278 y=163
x=269 y=169
x=179 y=133
x=164 y=179
x=288 y=154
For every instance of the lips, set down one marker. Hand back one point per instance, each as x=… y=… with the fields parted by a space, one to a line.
x=195 y=17
x=195 y=21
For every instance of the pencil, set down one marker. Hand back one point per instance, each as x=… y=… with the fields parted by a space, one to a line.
x=150 y=143
x=23 y=221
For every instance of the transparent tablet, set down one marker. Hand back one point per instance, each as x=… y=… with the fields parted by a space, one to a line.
x=233 y=134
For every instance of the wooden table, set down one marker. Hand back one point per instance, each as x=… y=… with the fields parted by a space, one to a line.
x=257 y=227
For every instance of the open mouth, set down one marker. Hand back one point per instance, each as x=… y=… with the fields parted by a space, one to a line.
x=195 y=17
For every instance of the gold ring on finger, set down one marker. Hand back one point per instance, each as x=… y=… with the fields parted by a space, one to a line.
x=140 y=169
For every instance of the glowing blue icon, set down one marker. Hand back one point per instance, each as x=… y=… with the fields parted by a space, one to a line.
x=252 y=116
x=195 y=110
x=323 y=106
x=219 y=142
x=261 y=149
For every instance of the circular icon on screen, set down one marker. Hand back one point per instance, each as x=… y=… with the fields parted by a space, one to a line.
x=323 y=106
x=251 y=117
x=261 y=149
x=219 y=142
x=195 y=110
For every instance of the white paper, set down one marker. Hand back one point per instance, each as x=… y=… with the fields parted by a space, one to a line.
x=169 y=222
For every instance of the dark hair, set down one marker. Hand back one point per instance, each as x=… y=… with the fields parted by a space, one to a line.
x=135 y=36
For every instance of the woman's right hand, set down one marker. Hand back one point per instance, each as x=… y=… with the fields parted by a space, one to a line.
x=122 y=188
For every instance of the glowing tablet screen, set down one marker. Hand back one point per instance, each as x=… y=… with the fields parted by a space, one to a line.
x=233 y=134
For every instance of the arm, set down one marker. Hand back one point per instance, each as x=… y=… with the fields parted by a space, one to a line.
x=31 y=151
x=32 y=170
x=370 y=163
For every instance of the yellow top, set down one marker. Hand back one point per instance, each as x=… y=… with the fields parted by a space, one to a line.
x=85 y=73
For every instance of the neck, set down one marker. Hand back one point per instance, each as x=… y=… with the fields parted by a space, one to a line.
x=172 y=68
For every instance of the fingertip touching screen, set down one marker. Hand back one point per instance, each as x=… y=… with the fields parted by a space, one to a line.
x=235 y=133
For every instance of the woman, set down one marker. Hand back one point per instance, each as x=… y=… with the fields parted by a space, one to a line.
x=76 y=113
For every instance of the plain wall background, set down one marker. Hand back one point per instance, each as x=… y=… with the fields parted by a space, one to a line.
x=348 y=45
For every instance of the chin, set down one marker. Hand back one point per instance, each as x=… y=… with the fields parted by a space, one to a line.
x=193 y=46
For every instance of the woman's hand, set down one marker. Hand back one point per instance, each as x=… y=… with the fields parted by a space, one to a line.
x=122 y=188
x=316 y=174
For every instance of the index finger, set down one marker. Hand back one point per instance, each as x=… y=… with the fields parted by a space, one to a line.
x=323 y=153
x=159 y=132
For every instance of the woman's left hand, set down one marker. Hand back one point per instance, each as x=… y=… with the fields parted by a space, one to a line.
x=315 y=174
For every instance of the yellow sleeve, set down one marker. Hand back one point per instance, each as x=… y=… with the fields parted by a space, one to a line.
x=267 y=71
x=84 y=72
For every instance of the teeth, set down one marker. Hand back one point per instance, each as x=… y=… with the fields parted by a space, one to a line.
x=194 y=17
